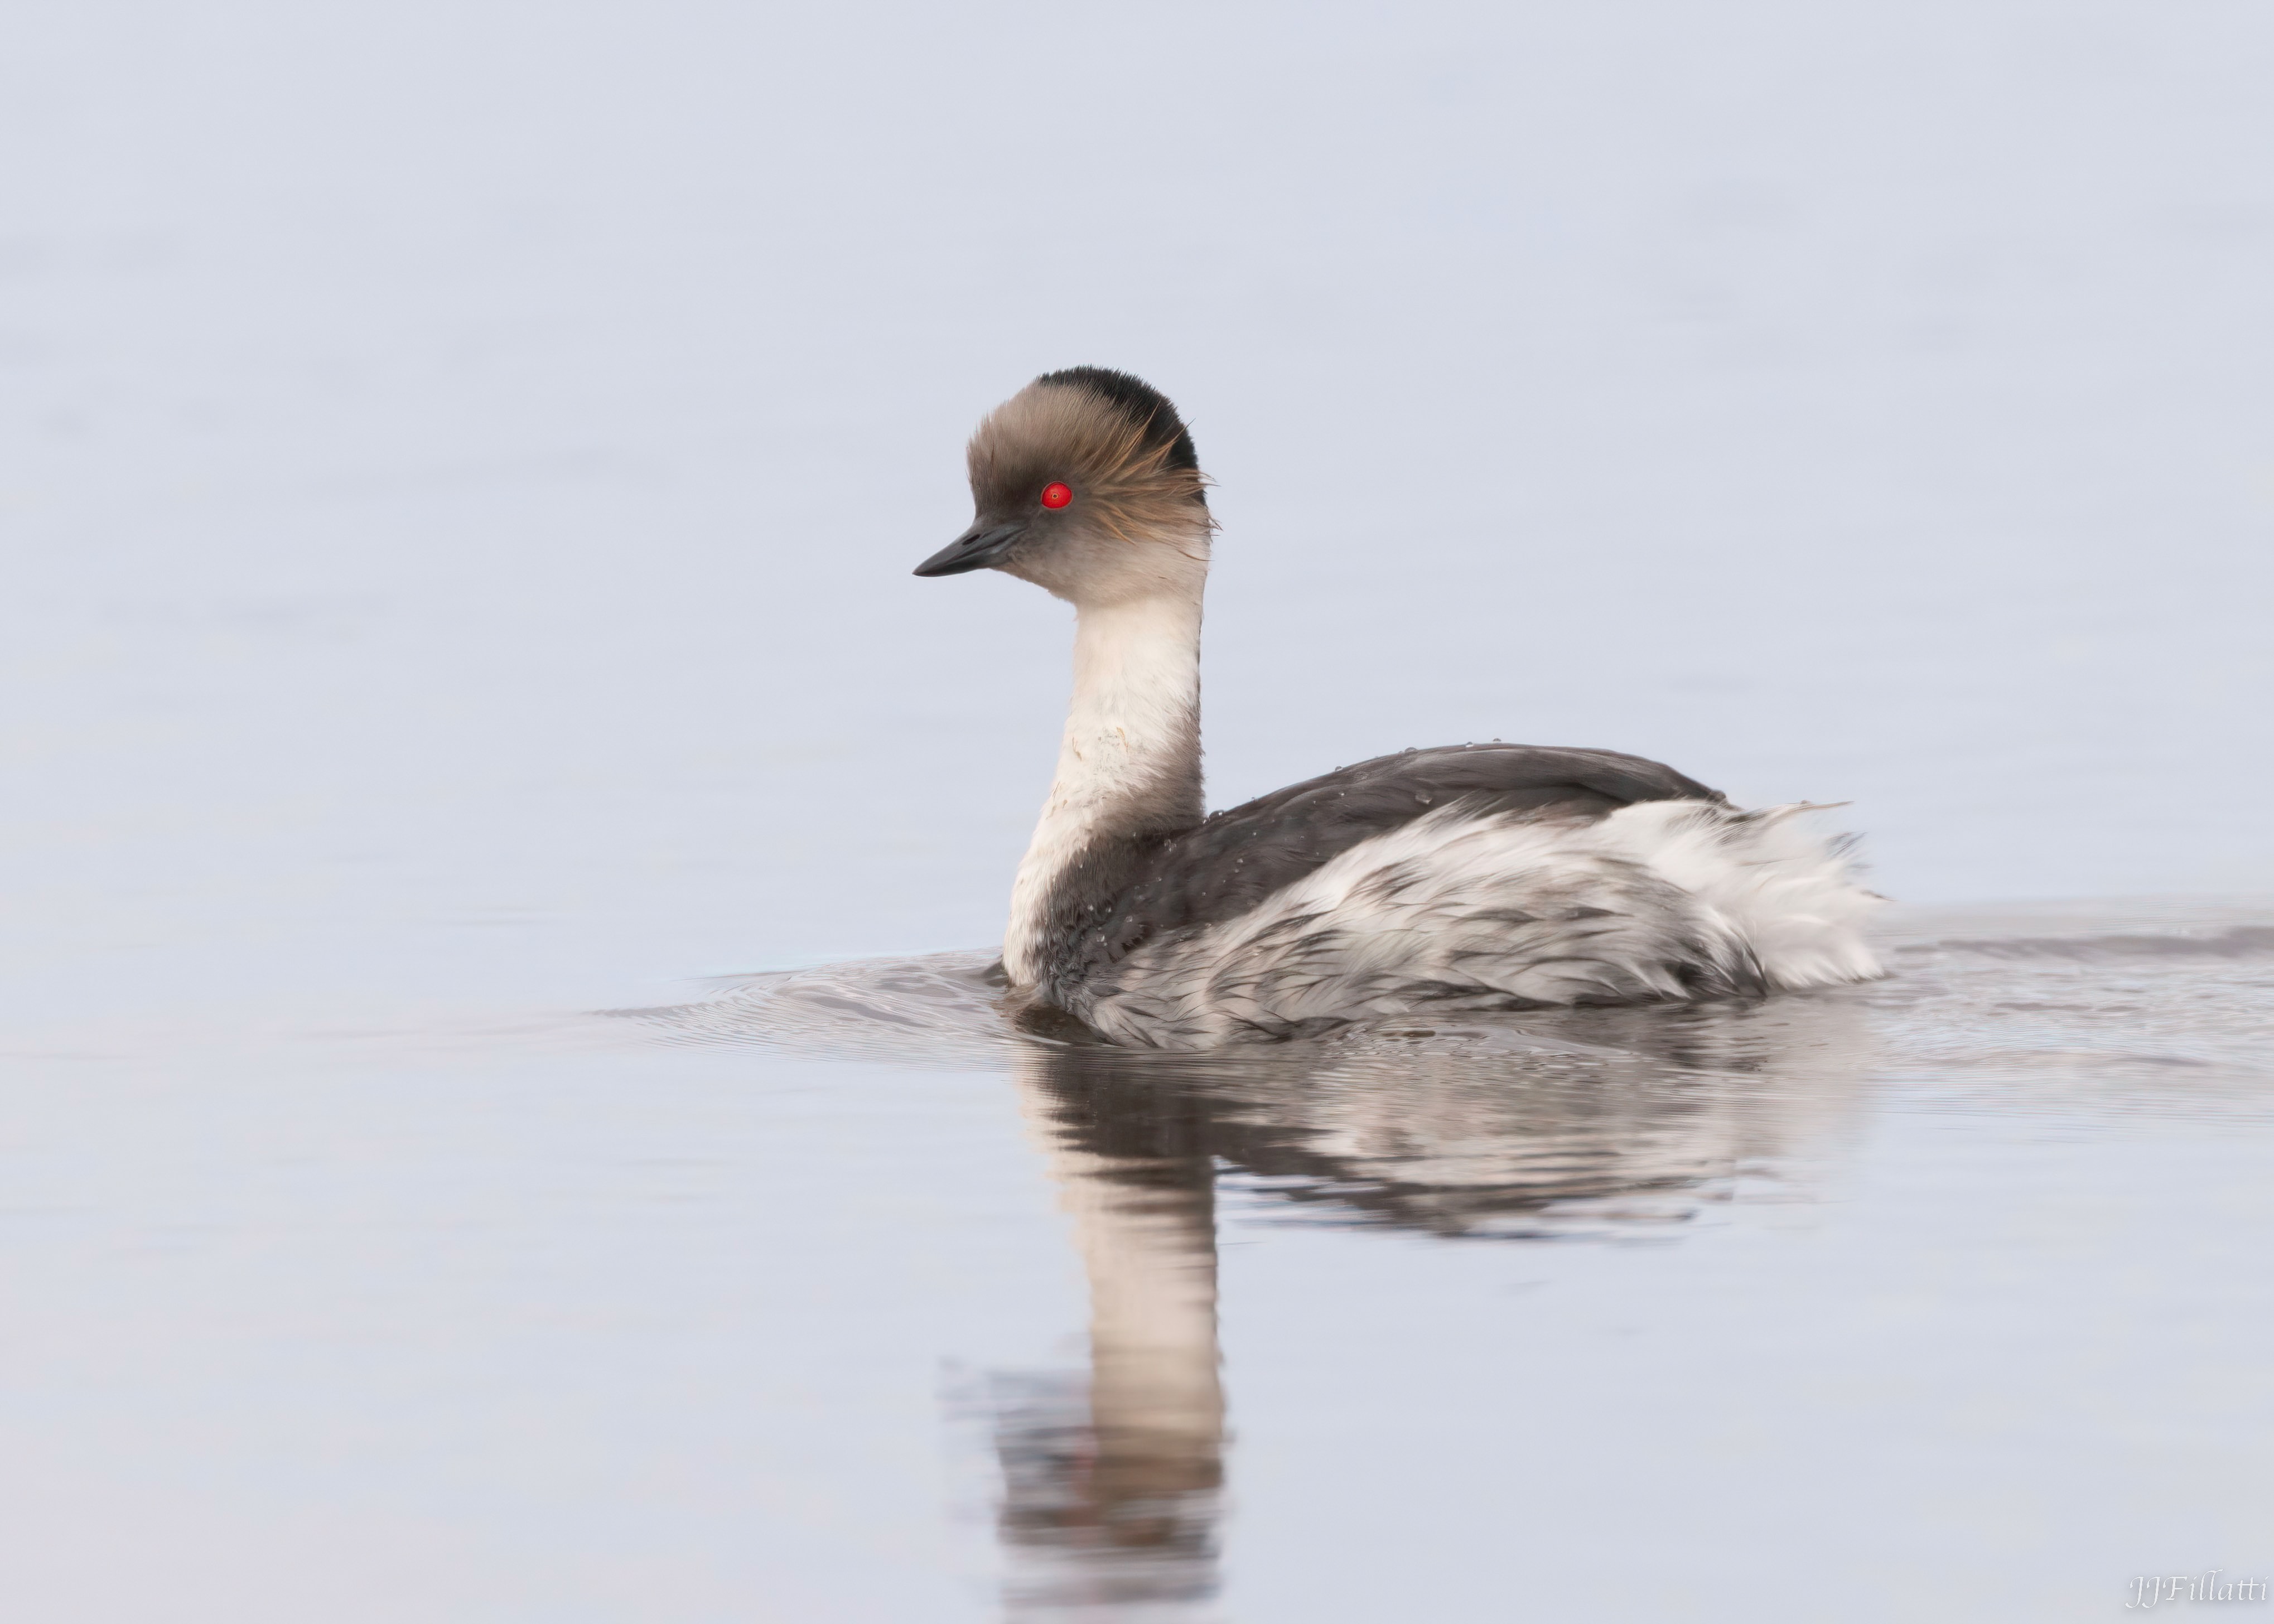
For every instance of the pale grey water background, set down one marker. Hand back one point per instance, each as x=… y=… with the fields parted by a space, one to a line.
x=459 y=473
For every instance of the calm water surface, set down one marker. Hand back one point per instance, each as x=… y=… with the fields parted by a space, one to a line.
x=822 y=1295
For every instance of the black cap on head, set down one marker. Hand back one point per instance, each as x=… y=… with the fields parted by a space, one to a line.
x=1141 y=403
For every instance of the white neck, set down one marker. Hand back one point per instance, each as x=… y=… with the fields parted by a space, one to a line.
x=1130 y=759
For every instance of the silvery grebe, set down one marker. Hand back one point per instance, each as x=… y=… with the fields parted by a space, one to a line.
x=1479 y=877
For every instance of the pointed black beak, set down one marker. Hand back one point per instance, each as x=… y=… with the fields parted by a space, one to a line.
x=975 y=549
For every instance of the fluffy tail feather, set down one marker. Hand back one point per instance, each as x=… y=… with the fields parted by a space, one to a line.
x=1775 y=879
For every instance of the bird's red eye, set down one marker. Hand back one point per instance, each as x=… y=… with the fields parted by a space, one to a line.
x=1056 y=495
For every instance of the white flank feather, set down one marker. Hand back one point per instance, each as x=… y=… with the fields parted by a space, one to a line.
x=1664 y=900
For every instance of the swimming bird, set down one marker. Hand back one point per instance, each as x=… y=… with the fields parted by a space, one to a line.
x=1475 y=876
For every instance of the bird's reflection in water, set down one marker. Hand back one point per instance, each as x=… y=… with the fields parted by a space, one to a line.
x=1111 y=1485
x=1518 y=1127
x=1583 y=1121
